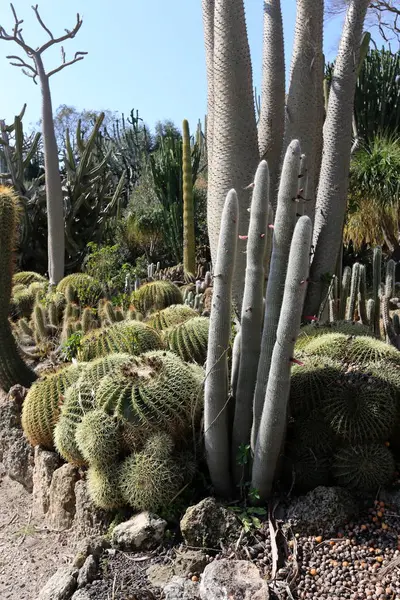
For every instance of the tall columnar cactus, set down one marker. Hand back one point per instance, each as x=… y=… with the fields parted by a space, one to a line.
x=376 y=286
x=189 y=253
x=13 y=370
x=283 y=230
x=252 y=308
x=216 y=425
x=354 y=287
x=272 y=114
x=344 y=292
x=390 y=279
x=362 y=296
x=271 y=432
x=333 y=183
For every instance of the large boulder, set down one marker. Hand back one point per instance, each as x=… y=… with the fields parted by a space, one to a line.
x=207 y=525
x=143 y=532
x=236 y=579
x=325 y=507
x=61 y=511
x=60 y=586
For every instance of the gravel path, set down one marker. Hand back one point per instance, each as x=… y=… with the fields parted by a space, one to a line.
x=29 y=553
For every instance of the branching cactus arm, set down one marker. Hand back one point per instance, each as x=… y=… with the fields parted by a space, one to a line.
x=216 y=425
x=282 y=235
x=273 y=421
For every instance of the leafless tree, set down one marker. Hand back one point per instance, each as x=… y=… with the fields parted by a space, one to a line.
x=383 y=14
x=33 y=67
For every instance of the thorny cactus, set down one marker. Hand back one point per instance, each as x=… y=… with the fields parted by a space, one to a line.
x=189 y=340
x=364 y=467
x=156 y=296
x=88 y=290
x=170 y=316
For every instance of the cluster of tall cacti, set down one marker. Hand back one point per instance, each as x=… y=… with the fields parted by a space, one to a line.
x=312 y=190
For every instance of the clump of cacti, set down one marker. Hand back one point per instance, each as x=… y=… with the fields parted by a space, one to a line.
x=13 y=369
x=316 y=329
x=156 y=295
x=189 y=339
x=82 y=287
x=43 y=402
x=134 y=337
x=27 y=277
x=363 y=467
x=103 y=487
x=172 y=315
x=306 y=468
x=359 y=349
x=98 y=438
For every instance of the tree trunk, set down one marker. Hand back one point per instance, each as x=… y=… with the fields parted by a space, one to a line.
x=333 y=184
x=272 y=115
x=54 y=195
x=234 y=137
x=208 y=25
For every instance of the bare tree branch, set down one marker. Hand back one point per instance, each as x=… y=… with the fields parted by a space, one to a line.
x=384 y=14
x=39 y=18
x=68 y=35
x=17 y=34
x=78 y=56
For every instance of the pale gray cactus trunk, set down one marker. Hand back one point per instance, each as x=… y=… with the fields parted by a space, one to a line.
x=235 y=362
x=208 y=26
x=234 y=139
x=333 y=183
x=252 y=311
x=216 y=423
x=272 y=428
x=272 y=114
x=354 y=288
x=54 y=195
x=285 y=220
x=305 y=96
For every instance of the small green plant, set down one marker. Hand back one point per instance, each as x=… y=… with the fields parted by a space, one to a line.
x=72 y=345
x=249 y=516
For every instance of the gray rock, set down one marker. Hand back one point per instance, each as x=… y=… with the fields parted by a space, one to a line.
x=60 y=586
x=87 y=546
x=82 y=595
x=322 y=507
x=89 y=520
x=207 y=524
x=180 y=588
x=45 y=464
x=238 y=579
x=88 y=572
x=62 y=498
x=18 y=462
x=185 y=562
x=142 y=532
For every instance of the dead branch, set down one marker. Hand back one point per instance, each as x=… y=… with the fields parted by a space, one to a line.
x=78 y=56
x=39 y=18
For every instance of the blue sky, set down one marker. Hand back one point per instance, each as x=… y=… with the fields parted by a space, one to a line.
x=142 y=54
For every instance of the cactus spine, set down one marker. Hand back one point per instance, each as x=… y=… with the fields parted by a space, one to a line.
x=189 y=256
x=252 y=308
x=13 y=370
x=273 y=420
x=216 y=434
x=283 y=231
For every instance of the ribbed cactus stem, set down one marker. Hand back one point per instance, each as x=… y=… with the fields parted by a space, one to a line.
x=216 y=430
x=268 y=246
x=282 y=236
x=371 y=313
x=273 y=421
x=87 y=320
x=354 y=287
x=53 y=314
x=362 y=296
x=13 y=370
x=344 y=292
x=189 y=254
x=390 y=279
x=252 y=312
x=376 y=285
x=235 y=362
x=39 y=322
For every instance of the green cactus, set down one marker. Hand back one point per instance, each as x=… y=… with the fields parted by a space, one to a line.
x=13 y=370
x=87 y=289
x=376 y=287
x=103 y=487
x=172 y=315
x=371 y=314
x=88 y=320
x=25 y=328
x=149 y=480
x=39 y=323
x=360 y=349
x=42 y=405
x=305 y=468
x=28 y=277
x=53 y=313
x=156 y=296
x=362 y=296
x=98 y=439
x=155 y=391
x=390 y=279
x=354 y=288
x=344 y=292
x=360 y=407
x=311 y=430
x=309 y=332
x=189 y=340
x=189 y=251
x=363 y=467
x=133 y=337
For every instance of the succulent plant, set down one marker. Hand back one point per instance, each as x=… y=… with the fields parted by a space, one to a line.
x=98 y=437
x=312 y=431
x=308 y=332
x=305 y=469
x=156 y=296
x=309 y=383
x=172 y=315
x=22 y=301
x=150 y=479
x=88 y=290
x=28 y=277
x=359 y=349
x=363 y=467
x=360 y=407
x=155 y=391
x=103 y=487
x=189 y=340
x=42 y=405
x=133 y=337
